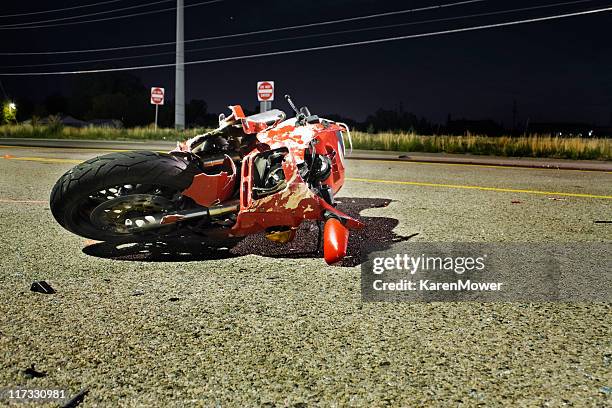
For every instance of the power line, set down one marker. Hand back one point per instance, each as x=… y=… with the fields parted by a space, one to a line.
x=108 y=18
x=85 y=15
x=323 y=47
x=414 y=10
x=60 y=9
x=436 y=20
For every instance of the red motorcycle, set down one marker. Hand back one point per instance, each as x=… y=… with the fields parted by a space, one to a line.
x=258 y=173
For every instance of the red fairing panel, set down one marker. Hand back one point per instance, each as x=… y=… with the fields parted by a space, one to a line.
x=288 y=207
x=297 y=139
x=335 y=241
x=207 y=189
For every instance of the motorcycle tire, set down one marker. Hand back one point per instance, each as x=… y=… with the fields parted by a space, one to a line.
x=80 y=190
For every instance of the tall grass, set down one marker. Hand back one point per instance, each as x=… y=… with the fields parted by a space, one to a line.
x=524 y=146
x=97 y=133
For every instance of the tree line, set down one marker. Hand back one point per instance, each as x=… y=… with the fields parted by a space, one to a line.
x=121 y=95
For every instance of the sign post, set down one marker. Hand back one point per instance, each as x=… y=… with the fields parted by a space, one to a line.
x=265 y=95
x=157 y=98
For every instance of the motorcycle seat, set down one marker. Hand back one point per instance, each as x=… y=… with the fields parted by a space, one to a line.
x=269 y=117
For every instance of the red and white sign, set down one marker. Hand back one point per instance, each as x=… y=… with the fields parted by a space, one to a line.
x=265 y=91
x=157 y=96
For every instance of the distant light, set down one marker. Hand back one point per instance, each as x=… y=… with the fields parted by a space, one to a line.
x=12 y=106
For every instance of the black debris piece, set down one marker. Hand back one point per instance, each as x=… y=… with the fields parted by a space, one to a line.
x=31 y=372
x=42 y=287
x=602 y=222
x=76 y=400
x=174 y=299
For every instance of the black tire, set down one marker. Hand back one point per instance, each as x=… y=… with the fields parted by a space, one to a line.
x=71 y=193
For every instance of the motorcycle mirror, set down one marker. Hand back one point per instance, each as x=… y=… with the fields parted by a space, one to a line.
x=288 y=98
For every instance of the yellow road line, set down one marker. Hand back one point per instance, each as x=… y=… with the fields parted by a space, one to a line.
x=489 y=166
x=76 y=149
x=64 y=149
x=43 y=159
x=410 y=183
x=481 y=188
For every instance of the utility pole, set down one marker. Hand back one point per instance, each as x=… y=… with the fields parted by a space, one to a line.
x=179 y=86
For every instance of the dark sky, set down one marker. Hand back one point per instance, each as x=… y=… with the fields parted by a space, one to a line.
x=556 y=70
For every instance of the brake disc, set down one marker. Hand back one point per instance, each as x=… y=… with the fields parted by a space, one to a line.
x=129 y=213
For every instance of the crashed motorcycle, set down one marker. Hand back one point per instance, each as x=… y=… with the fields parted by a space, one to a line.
x=252 y=174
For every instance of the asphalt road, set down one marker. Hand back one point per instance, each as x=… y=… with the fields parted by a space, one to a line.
x=258 y=325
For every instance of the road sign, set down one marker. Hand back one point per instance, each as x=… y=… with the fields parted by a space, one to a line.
x=157 y=96
x=265 y=91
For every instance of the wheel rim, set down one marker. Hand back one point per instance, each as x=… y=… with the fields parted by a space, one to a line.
x=125 y=214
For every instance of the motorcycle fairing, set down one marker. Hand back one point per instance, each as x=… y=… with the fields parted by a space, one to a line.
x=287 y=207
x=209 y=189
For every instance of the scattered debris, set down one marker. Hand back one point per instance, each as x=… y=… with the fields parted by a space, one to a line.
x=174 y=299
x=107 y=280
x=602 y=222
x=516 y=202
x=31 y=372
x=89 y=242
x=606 y=390
x=137 y=292
x=76 y=400
x=42 y=287
x=557 y=199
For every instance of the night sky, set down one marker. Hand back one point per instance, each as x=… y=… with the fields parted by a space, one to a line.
x=555 y=71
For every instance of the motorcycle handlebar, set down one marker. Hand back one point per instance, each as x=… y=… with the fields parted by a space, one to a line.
x=288 y=98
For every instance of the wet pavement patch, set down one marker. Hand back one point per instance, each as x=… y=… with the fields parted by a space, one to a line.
x=191 y=247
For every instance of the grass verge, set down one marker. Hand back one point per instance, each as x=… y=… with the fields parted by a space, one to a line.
x=523 y=146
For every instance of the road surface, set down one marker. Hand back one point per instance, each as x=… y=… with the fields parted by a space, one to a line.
x=258 y=325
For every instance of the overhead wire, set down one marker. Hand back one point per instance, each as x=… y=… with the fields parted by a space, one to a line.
x=445 y=19
x=31 y=13
x=97 y=13
x=27 y=27
x=324 y=47
x=316 y=24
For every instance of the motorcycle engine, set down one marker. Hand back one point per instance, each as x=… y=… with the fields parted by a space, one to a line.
x=268 y=175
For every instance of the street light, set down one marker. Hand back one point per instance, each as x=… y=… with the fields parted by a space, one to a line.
x=12 y=106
